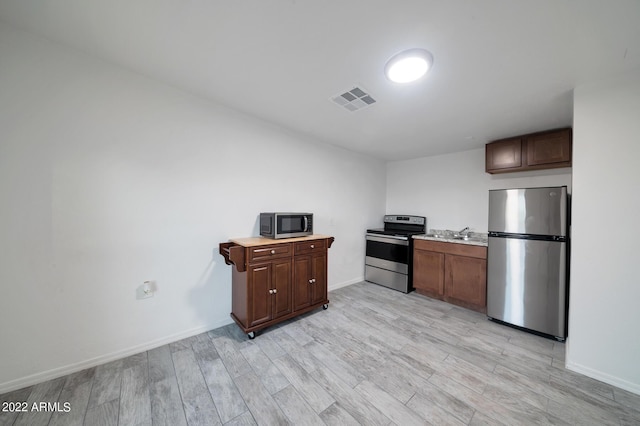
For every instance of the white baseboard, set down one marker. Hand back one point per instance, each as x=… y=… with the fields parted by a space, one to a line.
x=102 y=359
x=604 y=377
x=79 y=366
x=345 y=283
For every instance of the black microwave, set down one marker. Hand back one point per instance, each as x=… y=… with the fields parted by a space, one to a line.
x=286 y=225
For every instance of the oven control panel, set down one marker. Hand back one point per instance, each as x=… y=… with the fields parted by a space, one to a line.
x=413 y=220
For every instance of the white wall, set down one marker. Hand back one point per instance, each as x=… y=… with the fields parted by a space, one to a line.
x=604 y=341
x=108 y=179
x=452 y=190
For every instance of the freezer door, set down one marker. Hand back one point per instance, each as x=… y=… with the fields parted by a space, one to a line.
x=536 y=211
x=526 y=284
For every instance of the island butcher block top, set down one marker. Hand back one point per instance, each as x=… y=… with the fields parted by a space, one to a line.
x=262 y=241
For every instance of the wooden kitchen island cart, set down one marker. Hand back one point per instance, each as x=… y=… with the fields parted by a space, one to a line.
x=274 y=280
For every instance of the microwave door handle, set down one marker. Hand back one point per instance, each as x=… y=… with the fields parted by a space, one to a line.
x=306 y=224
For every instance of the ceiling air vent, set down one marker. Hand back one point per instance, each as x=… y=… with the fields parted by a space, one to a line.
x=353 y=100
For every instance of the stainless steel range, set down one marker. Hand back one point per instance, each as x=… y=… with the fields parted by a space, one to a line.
x=389 y=253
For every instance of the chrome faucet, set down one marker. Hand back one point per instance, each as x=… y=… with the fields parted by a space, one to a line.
x=464 y=232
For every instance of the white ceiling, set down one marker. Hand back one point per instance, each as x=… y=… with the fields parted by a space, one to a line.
x=501 y=67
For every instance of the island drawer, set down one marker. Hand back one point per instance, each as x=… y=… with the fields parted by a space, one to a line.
x=273 y=251
x=310 y=246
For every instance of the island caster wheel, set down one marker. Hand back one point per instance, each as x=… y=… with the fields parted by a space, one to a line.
x=325 y=306
x=251 y=335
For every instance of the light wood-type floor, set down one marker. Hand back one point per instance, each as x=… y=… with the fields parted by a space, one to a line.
x=375 y=357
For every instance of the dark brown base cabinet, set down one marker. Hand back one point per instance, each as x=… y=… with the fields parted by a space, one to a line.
x=274 y=280
x=455 y=273
x=309 y=280
x=543 y=150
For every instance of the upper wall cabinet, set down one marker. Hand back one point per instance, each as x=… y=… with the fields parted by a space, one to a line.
x=543 y=150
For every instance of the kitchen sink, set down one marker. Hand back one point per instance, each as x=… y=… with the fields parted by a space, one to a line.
x=453 y=236
x=469 y=238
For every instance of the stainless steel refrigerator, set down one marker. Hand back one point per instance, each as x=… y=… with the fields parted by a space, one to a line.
x=527 y=258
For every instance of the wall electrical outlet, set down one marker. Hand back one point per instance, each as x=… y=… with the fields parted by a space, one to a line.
x=146 y=290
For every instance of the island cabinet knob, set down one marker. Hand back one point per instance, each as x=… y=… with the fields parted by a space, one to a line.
x=312 y=246
x=270 y=291
x=275 y=291
x=273 y=252
x=310 y=281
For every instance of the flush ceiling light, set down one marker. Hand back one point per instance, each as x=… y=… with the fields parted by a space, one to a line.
x=408 y=66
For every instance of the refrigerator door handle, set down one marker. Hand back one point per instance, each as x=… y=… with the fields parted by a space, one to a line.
x=558 y=238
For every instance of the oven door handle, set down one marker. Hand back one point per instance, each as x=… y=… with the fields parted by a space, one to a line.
x=389 y=239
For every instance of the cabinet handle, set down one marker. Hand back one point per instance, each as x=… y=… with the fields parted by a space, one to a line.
x=270 y=291
x=273 y=252
x=310 y=281
x=275 y=291
x=312 y=246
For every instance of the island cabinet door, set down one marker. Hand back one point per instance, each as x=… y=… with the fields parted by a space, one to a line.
x=301 y=282
x=260 y=298
x=319 y=277
x=309 y=280
x=282 y=288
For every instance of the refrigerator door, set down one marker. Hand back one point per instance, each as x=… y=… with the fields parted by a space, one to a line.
x=526 y=284
x=534 y=211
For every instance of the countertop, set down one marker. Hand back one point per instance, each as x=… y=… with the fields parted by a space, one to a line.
x=262 y=241
x=476 y=239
